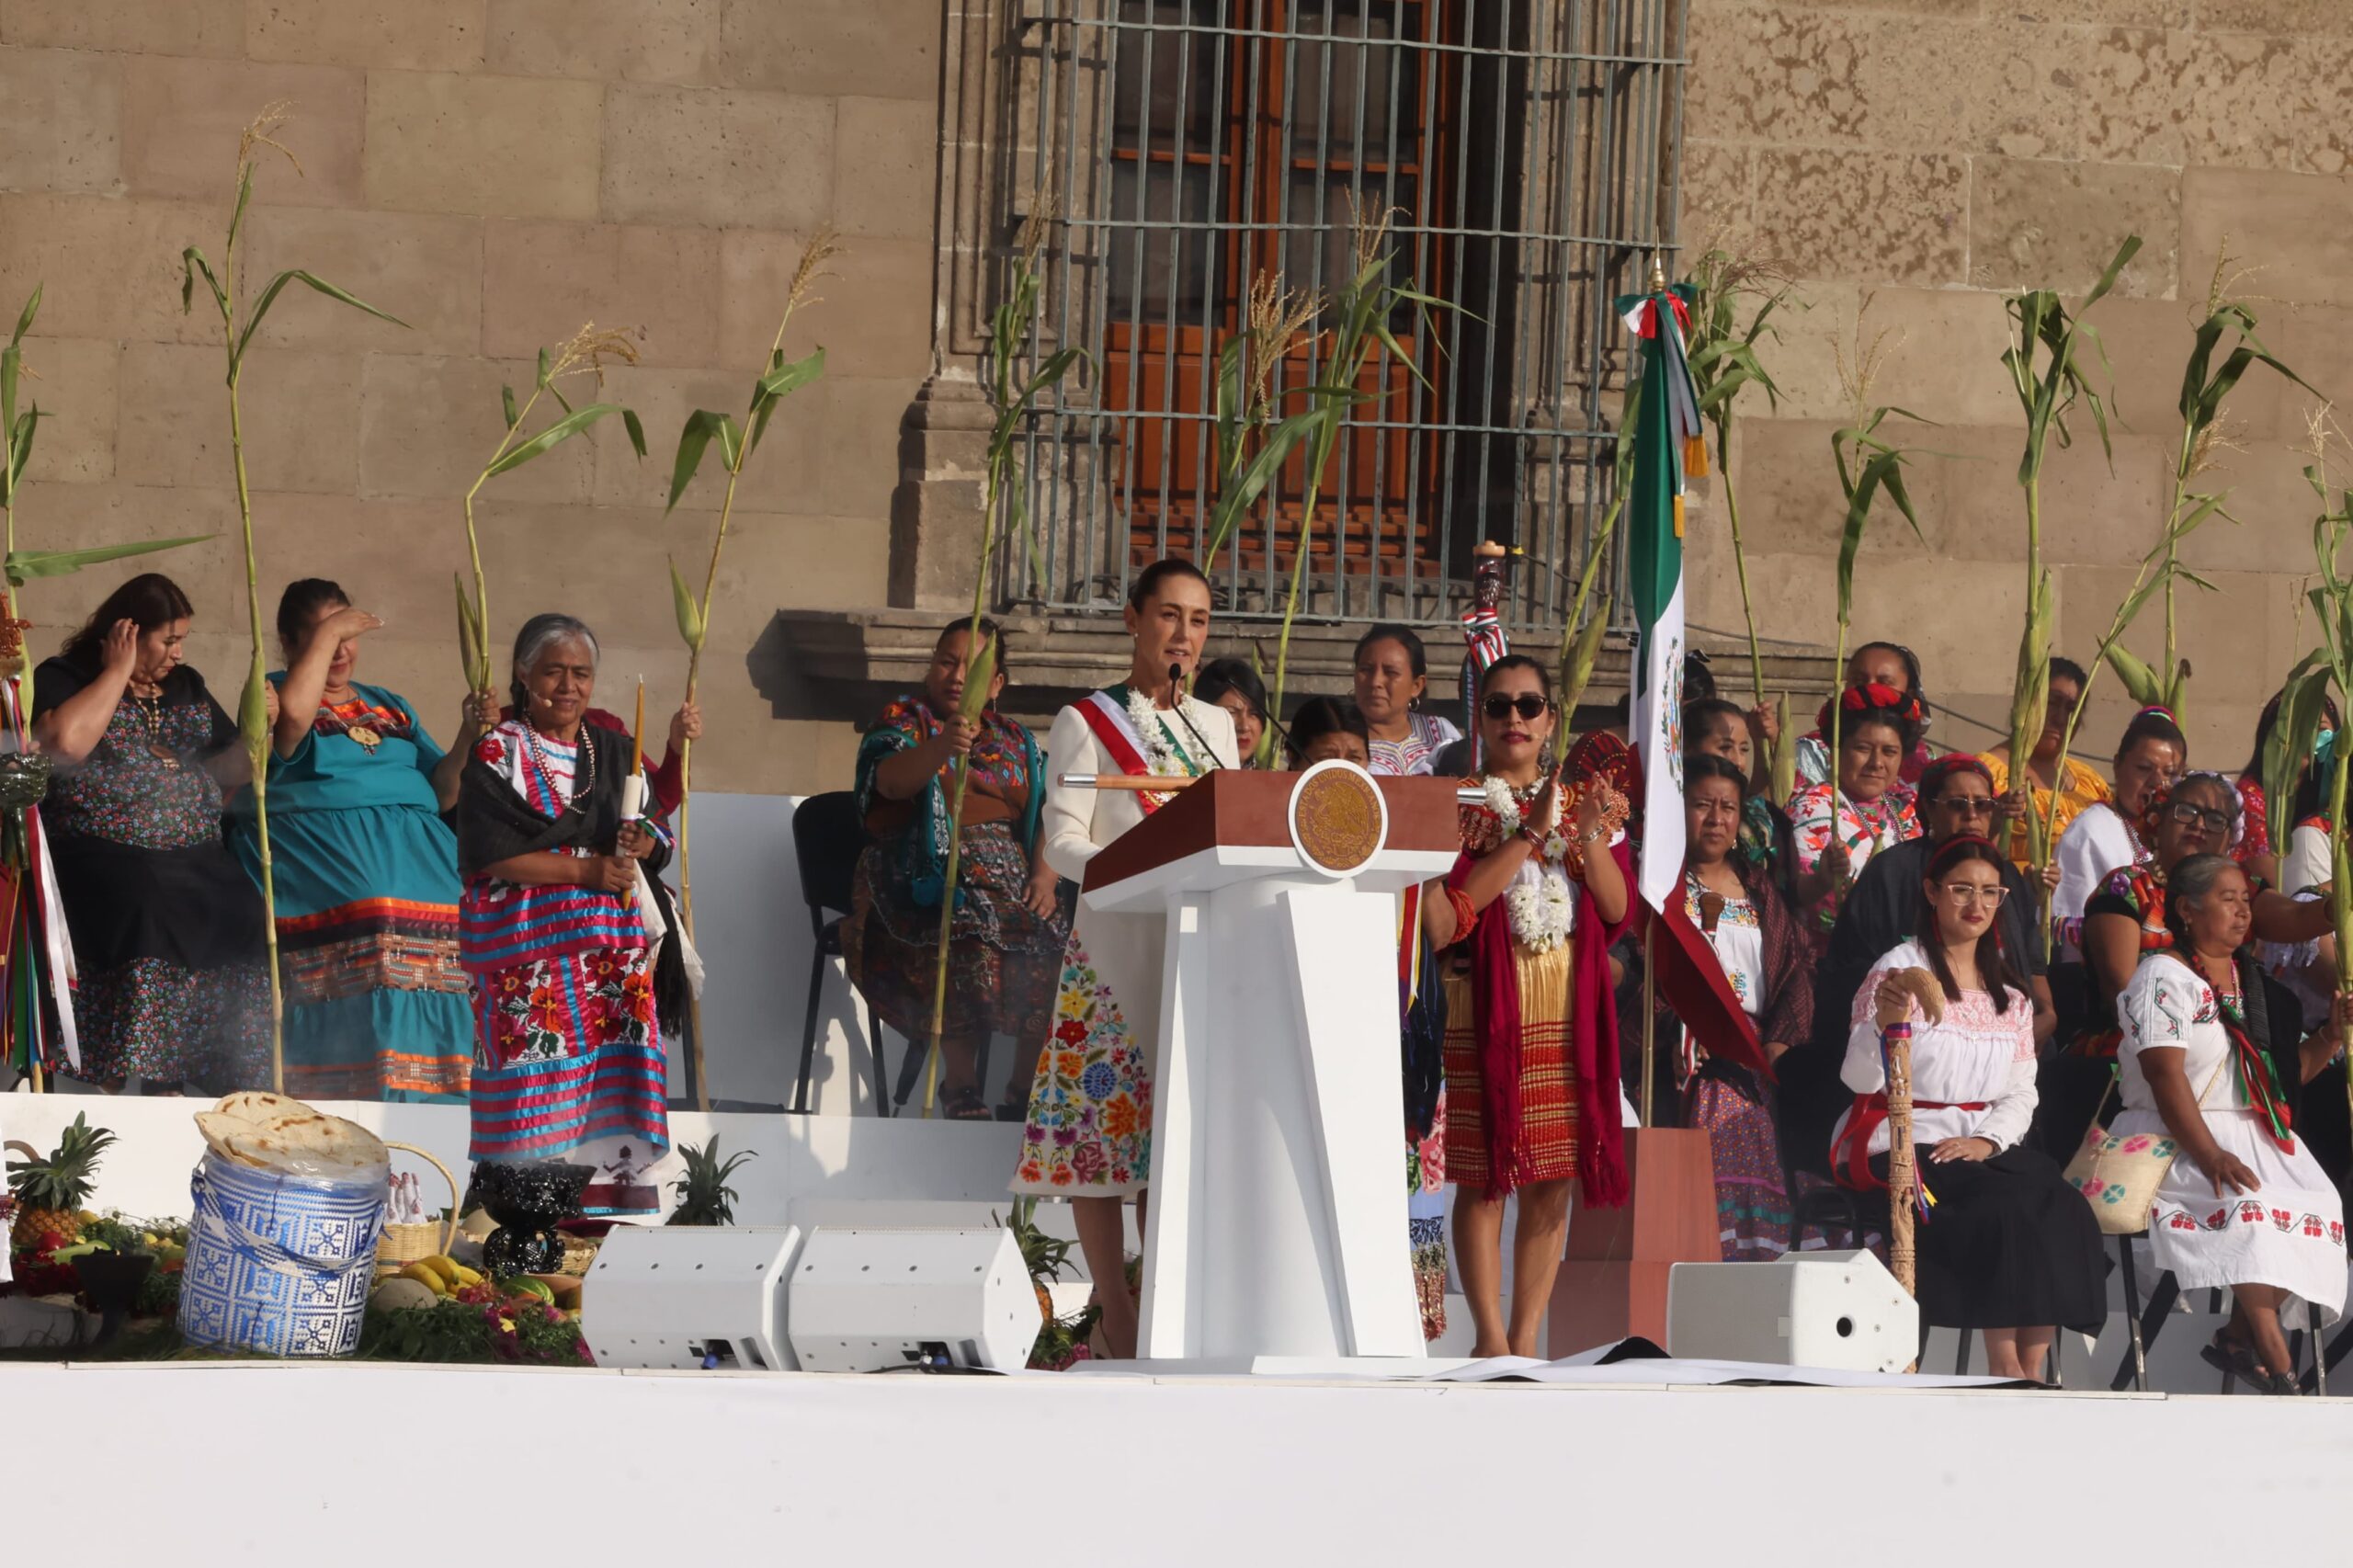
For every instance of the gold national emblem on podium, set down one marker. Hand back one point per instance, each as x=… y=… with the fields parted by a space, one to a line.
x=1337 y=819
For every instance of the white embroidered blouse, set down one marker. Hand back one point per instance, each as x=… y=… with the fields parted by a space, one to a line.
x=1975 y=1056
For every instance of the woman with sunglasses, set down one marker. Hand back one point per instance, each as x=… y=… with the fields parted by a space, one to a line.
x=2010 y=1249
x=1839 y=826
x=2214 y=1057
x=1531 y=908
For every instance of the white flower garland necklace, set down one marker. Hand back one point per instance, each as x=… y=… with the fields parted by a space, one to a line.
x=1159 y=751
x=1543 y=908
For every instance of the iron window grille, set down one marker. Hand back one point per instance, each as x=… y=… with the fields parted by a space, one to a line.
x=1526 y=153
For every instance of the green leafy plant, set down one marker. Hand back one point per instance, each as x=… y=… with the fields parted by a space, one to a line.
x=1582 y=629
x=1870 y=466
x=1724 y=364
x=1046 y=1259
x=1359 y=312
x=20 y=566
x=704 y=1197
x=239 y=319
x=2045 y=361
x=586 y=352
x=1275 y=324
x=2204 y=387
x=1004 y=513
x=2332 y=601
x=779 y=379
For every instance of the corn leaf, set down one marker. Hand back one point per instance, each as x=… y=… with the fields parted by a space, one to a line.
x=277 y=286
x=1582 y=656
x=2138 y=679
x=1241 y=492
x=25 y=317
x=693 y=442
x=192 y=266
x=563 y=430
x=22 y=565
x=682 y=599
x=1056 y=366
x=21 y=449
x=2031 y=692
x=2288 y=749
x=781 y=380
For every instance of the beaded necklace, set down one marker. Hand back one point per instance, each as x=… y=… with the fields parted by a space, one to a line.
x=584 y=771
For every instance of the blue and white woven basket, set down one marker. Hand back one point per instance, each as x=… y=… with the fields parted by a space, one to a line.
x=279 y=1264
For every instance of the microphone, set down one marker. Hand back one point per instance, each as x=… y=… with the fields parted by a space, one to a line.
x=1177 y=706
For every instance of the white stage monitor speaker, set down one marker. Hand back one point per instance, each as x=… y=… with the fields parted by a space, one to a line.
x=870 y=1300
x=690 y=1296
x=1840 y=1309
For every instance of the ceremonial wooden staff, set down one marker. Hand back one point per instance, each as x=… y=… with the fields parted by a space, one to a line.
x=1903 y=1170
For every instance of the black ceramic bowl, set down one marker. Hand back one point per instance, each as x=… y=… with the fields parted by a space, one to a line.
x=533 y=1194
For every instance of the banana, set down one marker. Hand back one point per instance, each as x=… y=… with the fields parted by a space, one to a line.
x=424 y=1274
x=444 y=1270
x=463 y=1274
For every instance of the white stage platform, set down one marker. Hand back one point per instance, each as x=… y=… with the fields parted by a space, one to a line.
x=243 y=1463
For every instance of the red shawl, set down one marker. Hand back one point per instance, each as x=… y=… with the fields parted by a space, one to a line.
x=1592 y=1042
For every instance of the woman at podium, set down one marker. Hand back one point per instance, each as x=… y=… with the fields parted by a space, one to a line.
x=1528 y=887
x=1088 y=1133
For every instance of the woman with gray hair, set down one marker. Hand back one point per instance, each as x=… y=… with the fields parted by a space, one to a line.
x=568 y=999
x=2213 y=1056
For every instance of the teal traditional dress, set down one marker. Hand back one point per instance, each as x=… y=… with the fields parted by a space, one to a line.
x=1003 y=959
x=365 y=874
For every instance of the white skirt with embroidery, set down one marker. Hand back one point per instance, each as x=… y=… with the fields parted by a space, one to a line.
x=2290 y=1233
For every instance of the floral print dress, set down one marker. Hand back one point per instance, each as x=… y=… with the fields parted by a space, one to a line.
x=1820 y=812
x=167 y=933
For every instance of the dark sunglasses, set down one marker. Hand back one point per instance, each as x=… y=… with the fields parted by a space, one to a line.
x=1528 y=705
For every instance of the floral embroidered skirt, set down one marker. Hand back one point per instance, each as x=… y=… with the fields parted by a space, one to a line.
x=1089 y=1129
x=1752 y=1205
x=1003 y=960
x=169 y=1024
x=569 y=1066
x=1425 y=1221
x=1548 y=1090
x=2288 y=1233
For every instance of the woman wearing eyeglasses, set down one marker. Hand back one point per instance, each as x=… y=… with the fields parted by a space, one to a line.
x=1530 y=1053
x=2009 y=1249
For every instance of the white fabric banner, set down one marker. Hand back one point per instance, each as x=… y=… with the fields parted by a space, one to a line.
x=1658 y=740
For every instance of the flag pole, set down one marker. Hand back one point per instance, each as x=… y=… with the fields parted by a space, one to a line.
x=1650 y=1016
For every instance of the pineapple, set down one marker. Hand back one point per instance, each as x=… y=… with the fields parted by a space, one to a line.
x=50 y=1194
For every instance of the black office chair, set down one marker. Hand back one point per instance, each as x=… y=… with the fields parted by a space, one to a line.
x=828 y=836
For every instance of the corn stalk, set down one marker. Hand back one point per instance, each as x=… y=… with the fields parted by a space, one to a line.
x=239 y=322
x=583 y=354
x=1360 y=310
x=2047 y=375
x=1003 y=509
x=2332 y=601
x=1581 y=633
x=1724 y=363
x=778 y=380
x=1245 y=402
x=1869 y=466
x=2204 y=386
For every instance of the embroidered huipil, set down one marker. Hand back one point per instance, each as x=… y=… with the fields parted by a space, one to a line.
x=1973 y=1074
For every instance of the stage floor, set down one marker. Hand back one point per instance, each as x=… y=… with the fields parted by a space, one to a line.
x=368 y=1465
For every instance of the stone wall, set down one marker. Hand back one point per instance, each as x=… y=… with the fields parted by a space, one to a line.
x=495 y=171
x=1925 y=156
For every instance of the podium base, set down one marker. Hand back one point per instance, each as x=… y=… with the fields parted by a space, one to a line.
x=1387 y=1366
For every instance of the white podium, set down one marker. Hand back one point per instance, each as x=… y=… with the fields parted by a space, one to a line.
x=1276 y=1237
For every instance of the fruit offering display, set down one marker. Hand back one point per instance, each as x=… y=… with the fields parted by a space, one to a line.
x=49 y=1193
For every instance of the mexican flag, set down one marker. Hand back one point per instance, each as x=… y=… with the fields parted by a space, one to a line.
x=1668 y=445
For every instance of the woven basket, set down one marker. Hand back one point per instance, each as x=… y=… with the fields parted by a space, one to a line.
x=430 y=1238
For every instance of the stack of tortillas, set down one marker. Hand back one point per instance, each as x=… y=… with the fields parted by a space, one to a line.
x=273 y=1133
